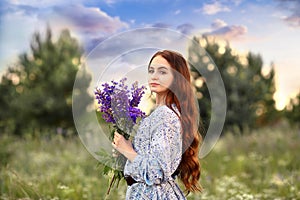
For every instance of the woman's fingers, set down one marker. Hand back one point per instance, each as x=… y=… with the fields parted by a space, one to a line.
x=117 y=138
x=115 y=153
x=114 y=145
x=115 y=150
x=116 y=141
x=117 y=135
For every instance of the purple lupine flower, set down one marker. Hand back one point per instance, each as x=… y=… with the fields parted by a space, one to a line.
x=104 y=100
x=136 y=94
x=119 y=105
x=135 y=113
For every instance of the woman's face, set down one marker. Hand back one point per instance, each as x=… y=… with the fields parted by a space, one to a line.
x=160 y=76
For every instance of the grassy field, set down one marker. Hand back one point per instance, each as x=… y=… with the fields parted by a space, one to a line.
x=261 y=165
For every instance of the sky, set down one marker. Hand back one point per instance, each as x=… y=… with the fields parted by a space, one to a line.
x=268 y=27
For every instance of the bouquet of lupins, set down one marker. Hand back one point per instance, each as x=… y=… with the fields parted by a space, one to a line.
x=119 y=108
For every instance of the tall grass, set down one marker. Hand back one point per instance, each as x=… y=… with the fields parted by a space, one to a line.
x=262 y=165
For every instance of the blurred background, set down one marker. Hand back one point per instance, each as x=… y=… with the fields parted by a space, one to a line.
x=254 y=44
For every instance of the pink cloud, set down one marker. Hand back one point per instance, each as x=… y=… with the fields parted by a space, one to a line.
x=228 y=32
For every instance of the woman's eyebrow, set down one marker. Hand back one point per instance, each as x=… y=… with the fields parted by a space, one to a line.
x=159 y=67
x=162 y=67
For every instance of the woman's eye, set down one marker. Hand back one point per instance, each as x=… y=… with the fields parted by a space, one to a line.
x=150 y=71
x=163 y=72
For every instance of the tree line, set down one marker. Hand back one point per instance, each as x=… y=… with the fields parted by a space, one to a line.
x=36 y=92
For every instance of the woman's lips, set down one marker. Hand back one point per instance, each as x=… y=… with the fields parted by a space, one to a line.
x=154 y=84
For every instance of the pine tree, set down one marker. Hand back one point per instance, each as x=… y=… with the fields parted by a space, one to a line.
x=37 y=91
x=249 y=92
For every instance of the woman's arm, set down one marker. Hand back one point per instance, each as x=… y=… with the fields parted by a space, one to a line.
x=162 y=158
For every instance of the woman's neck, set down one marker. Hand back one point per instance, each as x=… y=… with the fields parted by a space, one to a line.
x=160 y=99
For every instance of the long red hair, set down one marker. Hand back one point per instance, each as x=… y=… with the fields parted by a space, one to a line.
x=181 y=94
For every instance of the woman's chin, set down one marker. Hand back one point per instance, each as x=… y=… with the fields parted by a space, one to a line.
x=152 y=89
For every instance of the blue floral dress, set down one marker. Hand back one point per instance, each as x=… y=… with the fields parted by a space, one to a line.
x=158 y=144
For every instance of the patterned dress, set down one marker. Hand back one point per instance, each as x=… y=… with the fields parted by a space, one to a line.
x=158 y=143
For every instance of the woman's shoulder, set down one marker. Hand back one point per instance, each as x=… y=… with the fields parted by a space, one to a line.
x=164 y=111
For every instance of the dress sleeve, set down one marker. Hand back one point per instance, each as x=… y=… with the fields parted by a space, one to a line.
x=164 y=153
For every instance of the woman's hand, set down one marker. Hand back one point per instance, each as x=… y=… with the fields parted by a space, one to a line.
x=124 y=146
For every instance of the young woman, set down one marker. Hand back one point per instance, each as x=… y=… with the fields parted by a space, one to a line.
x=167 y=142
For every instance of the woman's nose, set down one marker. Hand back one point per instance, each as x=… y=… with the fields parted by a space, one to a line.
x=154 y=76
